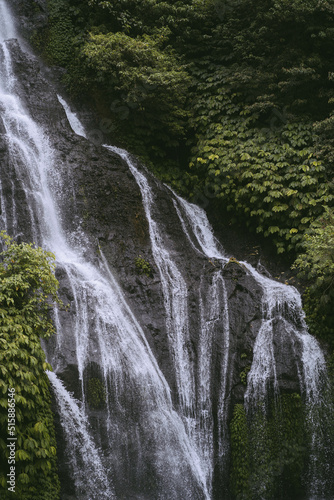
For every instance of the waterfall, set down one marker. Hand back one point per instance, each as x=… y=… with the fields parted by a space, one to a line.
x=195 y=399
x=278 y=301
x=149 y=438
x=201 y=229
x=3 y=216
x=284 y=302
x=103 y=324
x=175 y=295
x=281 y=302
x=213 y=306
x=200 y=234
x=8 y=29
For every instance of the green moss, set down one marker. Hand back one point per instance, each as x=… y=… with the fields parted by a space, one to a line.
x=240 y=475
x=96 y=394
x=269 y=450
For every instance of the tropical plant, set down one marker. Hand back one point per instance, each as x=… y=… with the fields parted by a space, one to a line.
x=28 y=292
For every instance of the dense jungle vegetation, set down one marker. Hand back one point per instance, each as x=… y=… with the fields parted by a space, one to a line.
x=227 y=100
x=28 y=291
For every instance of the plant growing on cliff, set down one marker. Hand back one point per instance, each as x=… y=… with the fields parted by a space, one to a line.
x=143 y=267
x=268 y=179
x=143 y=86
x=28 y=292
x=96 y=394
x=316 y=264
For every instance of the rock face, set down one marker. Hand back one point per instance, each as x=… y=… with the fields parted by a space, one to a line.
x=32 y=15
x=101 y=209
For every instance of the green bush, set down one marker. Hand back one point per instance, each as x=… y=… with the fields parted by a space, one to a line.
x=213 y=100
x=28 y=291
x=270 y=178
x=143 y=267
x=316 y=264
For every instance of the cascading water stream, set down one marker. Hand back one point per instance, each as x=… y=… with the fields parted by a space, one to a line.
x=279 y=302
x=213 y=307
x=175 y=296
x=103 y=324
x=73 y=119
x=90 y=474
x=199 y=233
x=196 y=404
x=8 y=29
x=284 y=302
x=3 y=216
x=195 y=412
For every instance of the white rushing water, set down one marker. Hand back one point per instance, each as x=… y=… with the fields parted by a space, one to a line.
x=279 y=302
x=213 y=317
x=3 y=215
x=90 y=475
x=175 y=295
x=198 y=421
x=8 y=29
x=284 y=302
x=201 y=229
x=103 y=323
x=73 y=119
x=196 y=403
x=200 y=234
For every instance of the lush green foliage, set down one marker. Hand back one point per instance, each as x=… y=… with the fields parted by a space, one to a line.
x=56 y=42
x=317 y=265
x=318 y=260
x=271 y=179
x=28 y=290
x=257 y=83
x=258 y=95
x=140 y=82
x=117 y=58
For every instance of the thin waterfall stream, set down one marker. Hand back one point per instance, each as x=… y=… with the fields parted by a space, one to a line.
x=156 y=445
